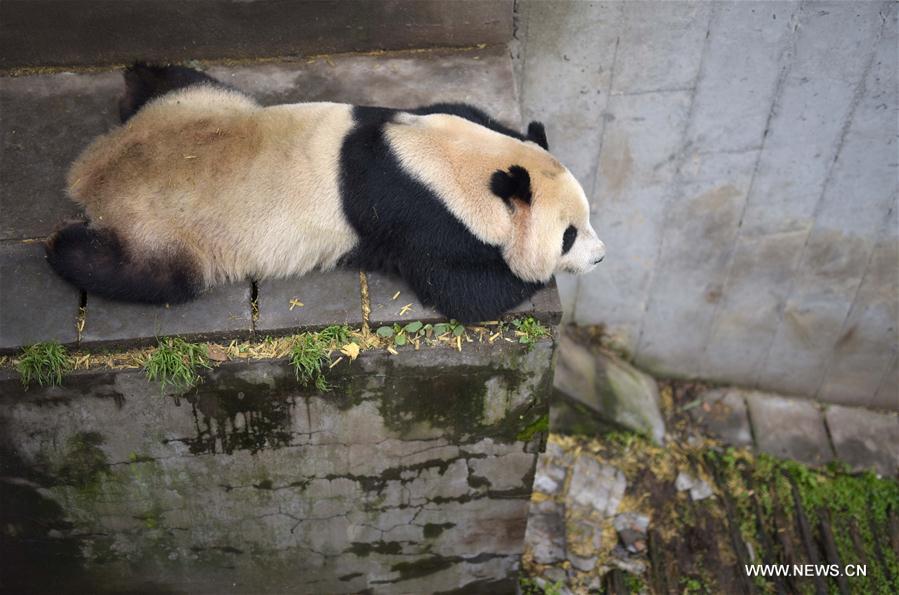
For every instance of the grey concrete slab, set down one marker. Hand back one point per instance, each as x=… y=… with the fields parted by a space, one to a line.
x=47 y=120
x=223 y=311
x=566 y=69
x=789 y=428
x=840 y=243
x=805 y=135
x=790 y=106
x=482 y=77
x=660 y=45
x=545 y=305
x=634 y=175
x=392 y=300
x=35 y=304
x=728 y=119
x=313 y=300
x=858 y=371
x=746 y=318
x=833 y=50
x=722 y=413
x=692 y=266
x=865 y=439
x=740 y=73
x=887 y=395
x=110 y=32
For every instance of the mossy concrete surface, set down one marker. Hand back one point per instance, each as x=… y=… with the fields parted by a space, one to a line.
x=411 y=475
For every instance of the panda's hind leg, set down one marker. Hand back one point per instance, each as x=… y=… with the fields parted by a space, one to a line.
x=144 y=82
x=97 y=261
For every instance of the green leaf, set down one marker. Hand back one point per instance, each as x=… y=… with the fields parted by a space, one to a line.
x=458 y=330
x=384 y=331
x=400 y=340
x=441 y=328
x=413 y=327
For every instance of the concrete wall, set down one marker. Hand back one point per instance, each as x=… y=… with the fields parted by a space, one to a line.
x=412 y=476
x=741 y=163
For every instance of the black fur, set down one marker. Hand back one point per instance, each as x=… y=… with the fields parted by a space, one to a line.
x=144 y=82
x=469 y=112
x=515 y=183
x=405 y=229
x=537 y=133
x=568 y=238
x=95 y=261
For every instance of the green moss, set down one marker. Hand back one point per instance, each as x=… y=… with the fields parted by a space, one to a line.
x=434 y=530
x=44 y=363
x=541 y=424
x=175 y=363
x=833 y=492
x=450 y=397
x=85 y=464
x=363 y=549
x=530 y=586
x=633 y=583
x=693 y=585
x=421 y=567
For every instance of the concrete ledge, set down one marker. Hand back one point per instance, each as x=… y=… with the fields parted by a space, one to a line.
x=411 y=476
x=65 y=33
x=50 y=118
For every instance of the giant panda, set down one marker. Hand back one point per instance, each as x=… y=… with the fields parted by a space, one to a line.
x=201 y=185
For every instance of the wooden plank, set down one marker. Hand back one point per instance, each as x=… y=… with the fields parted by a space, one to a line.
x=808 y=541
x=768 y=549
x=830 y=547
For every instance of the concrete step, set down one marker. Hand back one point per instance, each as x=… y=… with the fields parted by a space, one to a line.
x=87 y=32
x=48 y=119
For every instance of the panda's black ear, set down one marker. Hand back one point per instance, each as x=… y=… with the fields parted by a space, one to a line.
x=537 y=133
x=515 y=183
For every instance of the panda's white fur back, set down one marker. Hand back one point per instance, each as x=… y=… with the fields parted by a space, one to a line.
x=247 y=191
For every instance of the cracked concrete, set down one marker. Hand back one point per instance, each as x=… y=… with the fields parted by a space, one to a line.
x=372 y=486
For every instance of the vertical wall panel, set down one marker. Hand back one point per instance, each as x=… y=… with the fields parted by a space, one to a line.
x=732 y=103
x=861 y=191
x=741 y=162
x=658 y=59
x=835 y=43
x=565 y=83
x=636 y=169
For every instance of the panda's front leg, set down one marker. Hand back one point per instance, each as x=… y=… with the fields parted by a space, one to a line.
x=469 y=293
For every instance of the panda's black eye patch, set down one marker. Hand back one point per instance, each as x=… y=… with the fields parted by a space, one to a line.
x=568 y=238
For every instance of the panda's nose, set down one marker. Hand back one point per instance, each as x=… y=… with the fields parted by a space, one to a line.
x=599 y=253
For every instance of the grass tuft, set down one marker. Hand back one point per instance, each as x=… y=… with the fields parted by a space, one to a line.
x=175 y=362
x=311 y=351
x=44 y=363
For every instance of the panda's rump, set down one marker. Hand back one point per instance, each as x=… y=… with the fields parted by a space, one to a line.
x=232 y=183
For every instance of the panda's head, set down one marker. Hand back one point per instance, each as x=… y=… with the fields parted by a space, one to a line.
x=550 y=216
x=509 y=191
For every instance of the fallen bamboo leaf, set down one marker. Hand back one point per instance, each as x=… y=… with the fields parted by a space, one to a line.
x=351 y=350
